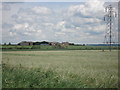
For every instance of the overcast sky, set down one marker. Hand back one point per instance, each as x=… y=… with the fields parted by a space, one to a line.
x=77 y=22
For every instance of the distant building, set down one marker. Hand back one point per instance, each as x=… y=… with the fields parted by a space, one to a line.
x=54 y=43
x=44 y=43
x=25 y=43
x=36 y=43
x=65 y=43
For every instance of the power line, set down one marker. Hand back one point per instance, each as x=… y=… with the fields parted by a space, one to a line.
x=109 y=17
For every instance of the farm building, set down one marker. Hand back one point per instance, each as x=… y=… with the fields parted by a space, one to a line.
x=57 y=43
x=65 y=43
x=25 y=43
x=53 y=43
x=36 y=43
x=41 y=43
x=44 y=43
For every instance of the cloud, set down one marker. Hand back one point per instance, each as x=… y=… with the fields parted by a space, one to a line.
x=6 y=7
x=12 y=34
x=59 y=34
x=20 y=26
x=86 y=17
x=95 y=5
x=6 y=25
x=41 y=10
x=100 y=28
x=90 y=8
x=78 y=23
x=27 y=29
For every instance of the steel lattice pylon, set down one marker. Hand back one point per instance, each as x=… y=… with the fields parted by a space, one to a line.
x=108 y=18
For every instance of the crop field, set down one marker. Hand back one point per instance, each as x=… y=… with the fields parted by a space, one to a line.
x=60 y=69
x=48 y=47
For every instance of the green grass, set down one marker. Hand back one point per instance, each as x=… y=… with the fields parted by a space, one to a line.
x=45 y=47
x=38 y=78
x=60 y=69
x=0 y=70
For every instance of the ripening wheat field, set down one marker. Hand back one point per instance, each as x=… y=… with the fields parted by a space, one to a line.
x=60 y=69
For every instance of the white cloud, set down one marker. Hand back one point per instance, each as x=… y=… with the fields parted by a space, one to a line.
x=68 y=30
x=13 y=34
x=41 y=10
x=78 y=9
x=59 y=34
x=48 y=24
x=21 y=26
x=95 y=5
x=60 y=25
x=91 y=20
x=90 y=8
x=100 y=28
x=39 y=31
x=26 y=33
x=18 y=26
x=75 y=23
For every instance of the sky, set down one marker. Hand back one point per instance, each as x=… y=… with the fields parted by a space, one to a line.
x=75 y=22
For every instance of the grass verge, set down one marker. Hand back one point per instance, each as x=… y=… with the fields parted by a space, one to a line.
x=21 y=77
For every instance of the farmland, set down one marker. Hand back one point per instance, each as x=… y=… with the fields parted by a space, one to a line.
x=60 y=69
x=48 y=47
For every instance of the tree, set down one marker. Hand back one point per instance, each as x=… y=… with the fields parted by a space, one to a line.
x=9 y=43
x=83 y=44
x=4 y=43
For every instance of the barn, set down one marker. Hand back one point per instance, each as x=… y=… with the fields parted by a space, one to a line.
x=25 y=43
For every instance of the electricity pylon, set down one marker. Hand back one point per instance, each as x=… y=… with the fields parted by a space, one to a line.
x=109 y=17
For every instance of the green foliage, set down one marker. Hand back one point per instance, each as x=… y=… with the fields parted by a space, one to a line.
x=60 y=69
x=57 y=47
x=19 y=77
